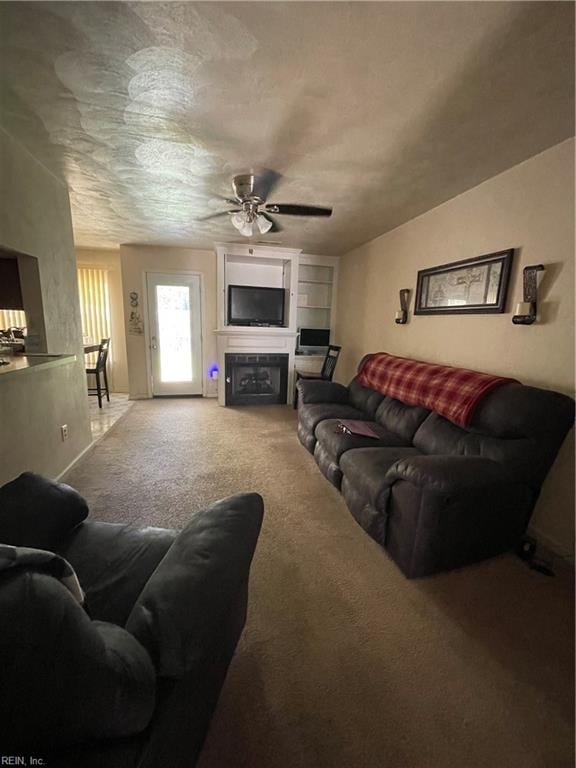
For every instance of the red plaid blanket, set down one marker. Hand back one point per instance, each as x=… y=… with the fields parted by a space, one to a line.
x=452 y=392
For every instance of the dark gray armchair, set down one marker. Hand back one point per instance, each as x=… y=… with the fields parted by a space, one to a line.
x=133 y=679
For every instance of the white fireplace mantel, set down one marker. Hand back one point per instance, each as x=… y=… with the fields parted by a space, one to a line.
x=261 y=265
x=254 y=341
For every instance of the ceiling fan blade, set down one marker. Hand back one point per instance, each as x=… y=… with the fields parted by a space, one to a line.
x=215 y=215
x=229 y=200
x=275 y=226
x=265 y=183
x=297 y=210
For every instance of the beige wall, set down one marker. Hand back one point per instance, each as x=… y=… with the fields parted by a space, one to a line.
x=35 y=220
x=136 y=261
x=529 y=208
x=110 y=261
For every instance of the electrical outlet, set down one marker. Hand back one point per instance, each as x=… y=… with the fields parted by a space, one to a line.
x=64 y=431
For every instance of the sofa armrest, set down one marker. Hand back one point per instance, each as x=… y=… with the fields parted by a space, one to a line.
x=448 y=474
x=181 y=610
x=37 y=512
x=319 y=391
x=66 y=679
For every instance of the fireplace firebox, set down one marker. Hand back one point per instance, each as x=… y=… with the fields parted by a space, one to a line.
x=256 y=379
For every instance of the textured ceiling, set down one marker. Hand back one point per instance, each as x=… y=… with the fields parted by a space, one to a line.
x=381 y=110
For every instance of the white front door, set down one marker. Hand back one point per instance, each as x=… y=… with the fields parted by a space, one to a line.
x=175 y=333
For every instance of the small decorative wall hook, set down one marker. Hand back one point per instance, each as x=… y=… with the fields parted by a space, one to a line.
x=402 y=314
x=527 y=309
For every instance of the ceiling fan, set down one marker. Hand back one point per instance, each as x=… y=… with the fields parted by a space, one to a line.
x=250 y=194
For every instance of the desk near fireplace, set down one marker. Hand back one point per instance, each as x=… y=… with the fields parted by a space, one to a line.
x=309 y=364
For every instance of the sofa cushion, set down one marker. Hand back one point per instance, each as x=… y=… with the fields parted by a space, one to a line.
x=517 y=411
x=38 y=512
x=311 y=415
x=113 y=563
x=365 y=469
x=363 y=398
x=438 y=436
x=336 y=443
x=400 y=418
x=320 y=391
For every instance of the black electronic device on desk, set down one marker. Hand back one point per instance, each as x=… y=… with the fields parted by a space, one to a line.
x=313 y=341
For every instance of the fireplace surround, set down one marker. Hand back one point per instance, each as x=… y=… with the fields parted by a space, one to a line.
x=256 y=379
x=239 y=381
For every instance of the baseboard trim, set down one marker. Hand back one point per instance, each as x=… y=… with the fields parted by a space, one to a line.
x=75 y=461
x=549 y=543
x=207 y=395
x=89 y=447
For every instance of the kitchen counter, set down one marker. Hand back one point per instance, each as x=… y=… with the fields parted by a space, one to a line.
x=23 y=364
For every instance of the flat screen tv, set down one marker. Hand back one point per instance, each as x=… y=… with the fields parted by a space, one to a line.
x=253 y=305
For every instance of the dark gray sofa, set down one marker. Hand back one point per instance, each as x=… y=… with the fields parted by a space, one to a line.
x=436 y=495
x=134 y=681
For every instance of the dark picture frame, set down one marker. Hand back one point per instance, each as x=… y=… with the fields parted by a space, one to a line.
x=477 y=286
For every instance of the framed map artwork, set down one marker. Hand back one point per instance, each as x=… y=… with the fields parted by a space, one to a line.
x=471 y=286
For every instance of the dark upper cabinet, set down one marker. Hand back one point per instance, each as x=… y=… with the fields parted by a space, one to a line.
x=10 y=290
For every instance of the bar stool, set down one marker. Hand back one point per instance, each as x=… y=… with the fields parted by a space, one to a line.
x=100 y=368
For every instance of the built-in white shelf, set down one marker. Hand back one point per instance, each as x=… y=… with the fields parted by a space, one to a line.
x=317 y=286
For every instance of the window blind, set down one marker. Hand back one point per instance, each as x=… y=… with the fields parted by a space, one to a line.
x=94 y=304
x=12 y=318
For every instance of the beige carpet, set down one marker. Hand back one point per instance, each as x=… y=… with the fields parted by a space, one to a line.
x=344 y=663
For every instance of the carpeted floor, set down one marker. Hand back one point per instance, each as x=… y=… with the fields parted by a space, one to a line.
x=343 y=662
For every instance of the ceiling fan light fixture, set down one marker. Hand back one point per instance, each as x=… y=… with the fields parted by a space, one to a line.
x=247 y=229
x=243 y=223
x=264 y=224
x=238 y=219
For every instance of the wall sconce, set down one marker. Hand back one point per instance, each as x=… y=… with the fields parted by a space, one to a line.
x=527 y=309
x=402 y=314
